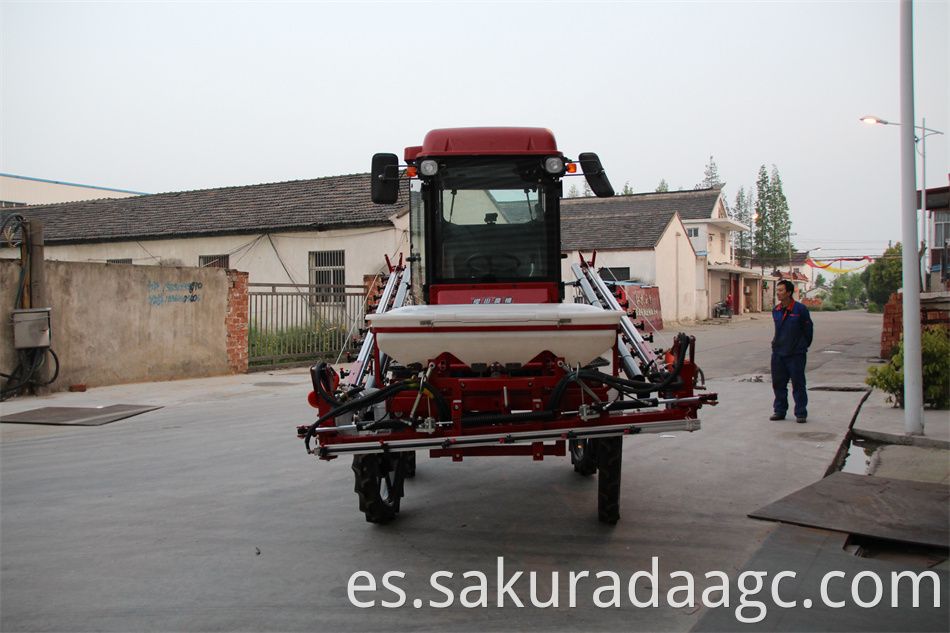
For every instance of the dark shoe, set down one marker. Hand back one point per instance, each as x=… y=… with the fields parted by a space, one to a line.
x=776 y=416
x=801 y=420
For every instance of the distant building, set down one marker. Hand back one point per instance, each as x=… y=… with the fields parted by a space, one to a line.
x=319 y=231
x=19 y=191
x=679 y=241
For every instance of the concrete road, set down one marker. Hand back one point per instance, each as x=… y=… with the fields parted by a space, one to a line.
x=207 y=515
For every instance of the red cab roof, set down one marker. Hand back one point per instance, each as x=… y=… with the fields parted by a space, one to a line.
x=485 y=141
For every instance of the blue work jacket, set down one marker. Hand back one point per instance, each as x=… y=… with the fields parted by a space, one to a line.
x=793 y=329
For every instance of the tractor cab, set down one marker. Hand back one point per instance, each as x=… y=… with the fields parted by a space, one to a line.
x=485 y=213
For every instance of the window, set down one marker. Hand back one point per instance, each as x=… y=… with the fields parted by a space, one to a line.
x=941 y=228
x=614 y=274
x=692 y=232
x=327 y=274
x=722 y=242
x=120 y=260
x=213 y=261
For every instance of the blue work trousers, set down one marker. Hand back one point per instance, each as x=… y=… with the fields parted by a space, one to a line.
x=785 y=368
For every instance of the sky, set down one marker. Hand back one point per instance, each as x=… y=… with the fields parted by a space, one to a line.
x=176 y=96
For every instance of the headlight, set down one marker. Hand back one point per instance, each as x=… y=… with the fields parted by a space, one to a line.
x=428 y=167
x=554 y=165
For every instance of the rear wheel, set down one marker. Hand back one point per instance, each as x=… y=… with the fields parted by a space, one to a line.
x=379 y=485
x=609 y=462
x=584 y=456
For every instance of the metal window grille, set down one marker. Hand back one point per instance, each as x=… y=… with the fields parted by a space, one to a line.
x=120 y=260
x=213 y=261
x=327 y=276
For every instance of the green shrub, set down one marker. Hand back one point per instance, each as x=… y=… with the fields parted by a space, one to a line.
x=935 y=350
x=875 y=308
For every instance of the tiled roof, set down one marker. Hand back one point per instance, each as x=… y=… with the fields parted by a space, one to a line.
x=617 y=223
x=695 y=204
x=318 y=204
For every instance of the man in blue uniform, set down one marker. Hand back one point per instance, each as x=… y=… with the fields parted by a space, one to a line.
x=793 y=334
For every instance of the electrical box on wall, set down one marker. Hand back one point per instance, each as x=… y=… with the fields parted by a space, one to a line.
x=31 y=328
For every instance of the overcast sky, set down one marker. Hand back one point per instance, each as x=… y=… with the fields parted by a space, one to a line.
x=175 y=96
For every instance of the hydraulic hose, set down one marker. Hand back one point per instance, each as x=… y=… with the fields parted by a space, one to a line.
x=635 y=387
x=381 y=395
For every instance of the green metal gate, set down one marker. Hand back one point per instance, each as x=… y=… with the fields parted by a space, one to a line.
x=294 y=324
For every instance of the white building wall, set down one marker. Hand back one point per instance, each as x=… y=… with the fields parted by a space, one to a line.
x=642 y=264
x=702 y=288
x=676 y=274
x=277 y=258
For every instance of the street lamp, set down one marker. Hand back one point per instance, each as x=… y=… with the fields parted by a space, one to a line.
x=924 y=226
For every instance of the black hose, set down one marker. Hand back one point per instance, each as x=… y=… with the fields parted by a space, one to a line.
x=375 y=397
x=30 y=361
x=635 y=387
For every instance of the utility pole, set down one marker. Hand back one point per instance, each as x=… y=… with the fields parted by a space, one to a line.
x=913 y=372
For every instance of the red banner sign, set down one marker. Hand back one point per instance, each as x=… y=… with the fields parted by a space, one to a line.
x=646 y=301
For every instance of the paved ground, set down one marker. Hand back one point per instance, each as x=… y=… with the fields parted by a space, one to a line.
x=207 y=515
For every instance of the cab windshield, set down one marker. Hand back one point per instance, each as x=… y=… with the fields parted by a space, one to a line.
x=491 y=221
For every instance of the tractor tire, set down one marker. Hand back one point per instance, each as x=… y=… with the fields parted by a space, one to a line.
x=584 y=456
x=410 y=464
x=379 y=485
x=609 y=463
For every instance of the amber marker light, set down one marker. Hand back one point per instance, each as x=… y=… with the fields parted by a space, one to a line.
x=411 y=172
x=572 y=168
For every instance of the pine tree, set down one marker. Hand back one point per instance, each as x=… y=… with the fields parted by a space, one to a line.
x=587 y=192
x=663 y=187
x=711 y=178
x=781 y=224
x=573 y=192
x=627 y=189
x=760 y=235
x=742 y=209
x=773 y=225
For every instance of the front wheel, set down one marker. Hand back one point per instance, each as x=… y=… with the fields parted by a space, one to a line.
x=584 y=456
x=379 y=485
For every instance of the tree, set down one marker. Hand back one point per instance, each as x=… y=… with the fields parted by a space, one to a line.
x=742 y=210
x=761 y=215
x=663 y=187
x=773 y=226
x=848 y=289
x=627 y=189
x=587 y=192
x=711 y=178
x=820 y=280
x=573 y=192
x=885 y=275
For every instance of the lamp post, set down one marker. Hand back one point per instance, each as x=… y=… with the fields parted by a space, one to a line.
x=913 y=370
x=924 y=224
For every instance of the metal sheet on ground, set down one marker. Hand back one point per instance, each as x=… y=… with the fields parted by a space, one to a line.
x=77 y=416
x=893 y=509
x=814 y=555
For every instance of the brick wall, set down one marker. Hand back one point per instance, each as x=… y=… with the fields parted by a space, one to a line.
x=237 y=321
x=811 y=303
x=894 y=322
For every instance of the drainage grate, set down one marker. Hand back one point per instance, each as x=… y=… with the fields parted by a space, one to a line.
x=77 y=416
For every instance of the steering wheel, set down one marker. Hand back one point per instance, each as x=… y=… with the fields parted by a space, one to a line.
x=503 y=264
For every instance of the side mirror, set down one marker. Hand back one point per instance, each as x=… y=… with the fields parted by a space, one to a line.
x=594 y=173
x=384 y=183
